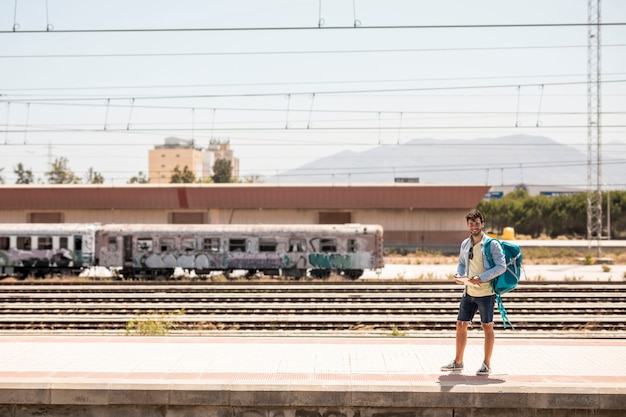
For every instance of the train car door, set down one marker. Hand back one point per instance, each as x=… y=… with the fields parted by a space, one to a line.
x=128 y=251
x=78 y=249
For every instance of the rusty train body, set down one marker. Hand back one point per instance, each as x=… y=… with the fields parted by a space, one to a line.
x=154 y=250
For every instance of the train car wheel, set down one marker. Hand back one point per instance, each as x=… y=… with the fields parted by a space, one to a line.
x=320 y=273
x=164 y=274
x=294 y=273
x=353 y=273
x=38 y=273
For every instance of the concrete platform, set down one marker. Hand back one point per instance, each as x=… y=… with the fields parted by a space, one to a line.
x=325 y=376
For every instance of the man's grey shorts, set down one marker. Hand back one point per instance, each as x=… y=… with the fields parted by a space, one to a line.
x=469 y=305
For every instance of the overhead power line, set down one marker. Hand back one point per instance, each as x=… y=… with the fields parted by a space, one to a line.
x=297 y=52
x=278 y=127
x=284 y=83
x=268 y=173
x=309 y=28
x=304 y=172
x=290 y=93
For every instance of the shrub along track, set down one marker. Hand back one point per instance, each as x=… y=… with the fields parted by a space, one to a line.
x=573 y=308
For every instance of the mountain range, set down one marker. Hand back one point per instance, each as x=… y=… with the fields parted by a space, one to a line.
x=503 y=161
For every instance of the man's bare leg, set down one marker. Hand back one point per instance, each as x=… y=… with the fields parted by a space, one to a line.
x=490 y=338
x=461 y=340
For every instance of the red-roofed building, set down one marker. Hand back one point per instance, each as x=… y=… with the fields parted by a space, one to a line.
x=412 y=215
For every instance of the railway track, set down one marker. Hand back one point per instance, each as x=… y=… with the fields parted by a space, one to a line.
x=575 y=307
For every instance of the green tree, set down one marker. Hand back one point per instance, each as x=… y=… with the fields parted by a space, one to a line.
x=139 y=179
x=559 y=217
x=577 y=212
x=61 y=174
x=617 y=213
x=24 y=176
x=185 y=176
x=94 y=177
x=1 y=177
x=222 y=171
x=500 y=213
x=568 y=216
x=564 y=215
x=532 y=214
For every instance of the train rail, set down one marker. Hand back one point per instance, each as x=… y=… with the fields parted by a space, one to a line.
x=575 y=308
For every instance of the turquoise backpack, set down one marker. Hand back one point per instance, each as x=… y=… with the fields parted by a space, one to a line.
x=510 y=278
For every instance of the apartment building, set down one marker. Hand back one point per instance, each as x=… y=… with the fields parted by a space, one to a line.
x=180 y=153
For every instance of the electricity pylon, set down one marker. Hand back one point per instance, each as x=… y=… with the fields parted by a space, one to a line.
x=594 y=157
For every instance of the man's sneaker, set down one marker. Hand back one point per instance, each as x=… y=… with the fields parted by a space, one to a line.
x=484 y=370
x=453 y=366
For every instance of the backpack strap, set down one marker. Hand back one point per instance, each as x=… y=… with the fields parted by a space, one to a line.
x=505 y=317
x=501 y=309
x=487 y=251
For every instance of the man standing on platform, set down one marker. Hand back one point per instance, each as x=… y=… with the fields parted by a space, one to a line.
x=474 y=272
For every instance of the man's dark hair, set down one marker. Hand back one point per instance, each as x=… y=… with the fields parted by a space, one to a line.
x=473 y=215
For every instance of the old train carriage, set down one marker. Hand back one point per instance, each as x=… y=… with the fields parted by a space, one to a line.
x=42 y=249
x=289 y=250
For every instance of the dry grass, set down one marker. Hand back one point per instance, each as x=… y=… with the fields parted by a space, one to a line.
x=532 y=256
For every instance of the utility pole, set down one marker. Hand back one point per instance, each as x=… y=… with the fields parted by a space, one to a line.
x=594 y=190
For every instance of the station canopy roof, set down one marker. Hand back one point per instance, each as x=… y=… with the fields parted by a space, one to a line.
x=240 y=196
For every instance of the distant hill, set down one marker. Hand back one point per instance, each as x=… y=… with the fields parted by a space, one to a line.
x=500 y=161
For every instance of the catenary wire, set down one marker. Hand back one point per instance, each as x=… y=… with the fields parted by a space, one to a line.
x=284 y=94
x=285 y=83
x=315 y=28
x=296 y=52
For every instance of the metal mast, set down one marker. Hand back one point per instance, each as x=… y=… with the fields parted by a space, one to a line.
x=594 y=191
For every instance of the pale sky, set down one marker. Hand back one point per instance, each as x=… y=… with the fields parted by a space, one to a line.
x=288 y=81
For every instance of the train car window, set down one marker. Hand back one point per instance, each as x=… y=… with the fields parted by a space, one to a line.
x=297 y=245
x=188 y=244
x=112 y=244
x=4 y=243
x=328 y=245
x=237 y=245
x=23 y=242
x=352 y=245
x=63 y=242
x=144 y=244
x=44 y=242
x=267 y=245
x=167 y=244
x=211 y=244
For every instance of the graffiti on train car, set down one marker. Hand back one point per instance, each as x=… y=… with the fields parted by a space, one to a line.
x=330 y=260
x=204 y=261
x=239 y=260
x=256 y=260
x=60 y=258
x=173 y=260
